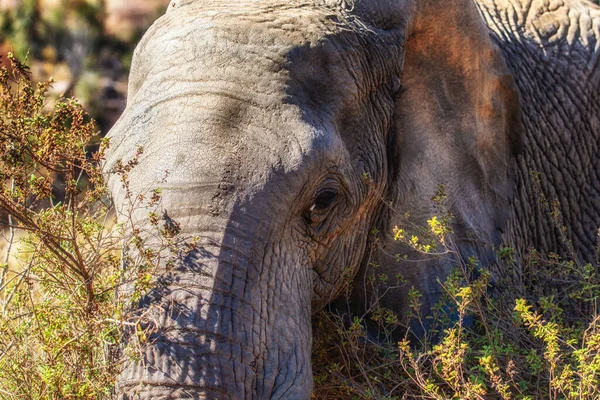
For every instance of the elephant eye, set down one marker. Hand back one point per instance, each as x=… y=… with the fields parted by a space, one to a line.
x=321 y=205
x=324 y=200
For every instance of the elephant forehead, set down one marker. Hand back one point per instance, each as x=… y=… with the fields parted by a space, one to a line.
x=202 y=136
x=223 y=37
x=200 y=51
x=202 y=86
x=313 y=50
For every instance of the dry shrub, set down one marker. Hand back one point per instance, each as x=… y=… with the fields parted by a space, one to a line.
x=57 y=279
x=62 y=309
x=545 y=346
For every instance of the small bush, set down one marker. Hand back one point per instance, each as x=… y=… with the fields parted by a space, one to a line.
x=58 y=274
x=546 y=346
x=70 y=273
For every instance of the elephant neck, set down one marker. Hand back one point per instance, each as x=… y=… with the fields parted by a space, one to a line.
x=553 y=55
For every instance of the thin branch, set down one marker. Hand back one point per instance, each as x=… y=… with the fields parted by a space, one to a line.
x=11 y=239
x=24 y=273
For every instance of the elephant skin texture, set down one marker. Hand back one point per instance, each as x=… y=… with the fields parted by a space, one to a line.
x=293 y=131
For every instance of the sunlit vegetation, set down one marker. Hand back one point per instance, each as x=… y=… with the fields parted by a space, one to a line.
x=484 y=342
x=65 y=263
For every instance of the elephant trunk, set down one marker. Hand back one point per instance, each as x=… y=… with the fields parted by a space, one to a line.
x=210 y=332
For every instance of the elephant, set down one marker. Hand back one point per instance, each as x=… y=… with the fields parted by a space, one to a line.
x=298 y=133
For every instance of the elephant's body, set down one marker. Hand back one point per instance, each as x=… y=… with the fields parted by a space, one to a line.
x=288 y=129
x=552 y=50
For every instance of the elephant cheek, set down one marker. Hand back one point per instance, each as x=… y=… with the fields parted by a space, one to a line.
x=336 y=266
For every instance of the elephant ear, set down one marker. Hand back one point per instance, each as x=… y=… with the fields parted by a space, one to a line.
x=458 y=116
x=457 y=124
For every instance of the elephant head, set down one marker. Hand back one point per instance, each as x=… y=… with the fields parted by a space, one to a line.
x=291 y=131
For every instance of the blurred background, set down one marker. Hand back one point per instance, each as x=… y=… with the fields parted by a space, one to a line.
x=84 y=45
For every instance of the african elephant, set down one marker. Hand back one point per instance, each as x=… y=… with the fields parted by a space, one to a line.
x=294 y=129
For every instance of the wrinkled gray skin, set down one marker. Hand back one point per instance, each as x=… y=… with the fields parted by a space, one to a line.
x=269 y=115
